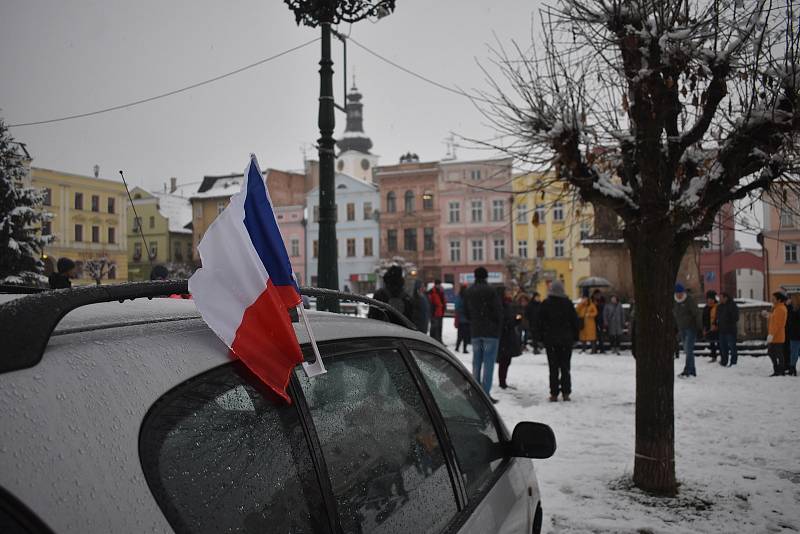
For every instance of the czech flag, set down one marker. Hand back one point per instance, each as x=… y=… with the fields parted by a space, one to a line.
x=246 y=284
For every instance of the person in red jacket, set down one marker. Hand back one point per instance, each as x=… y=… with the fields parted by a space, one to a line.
x=438 y=305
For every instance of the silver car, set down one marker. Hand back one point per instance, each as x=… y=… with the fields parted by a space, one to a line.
x=133 y=417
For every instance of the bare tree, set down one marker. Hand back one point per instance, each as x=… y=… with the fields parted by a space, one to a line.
x=98 y=268
x=662 y=111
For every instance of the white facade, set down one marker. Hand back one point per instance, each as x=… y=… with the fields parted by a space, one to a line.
x=749 y=284
x=356 y=164
x=357 y=231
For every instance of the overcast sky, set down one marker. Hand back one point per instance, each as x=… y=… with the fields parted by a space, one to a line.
x=64 y=57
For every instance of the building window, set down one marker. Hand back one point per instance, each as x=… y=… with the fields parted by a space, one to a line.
x=410 y=239
x=454 y=212
x=477 y=211
x=111 y=205
x=427 y=234
x=522 y=248
x=47 y=196
x=427 y=201
x=78 y=201
x=198 y=210
x=477 y=250
x=220 y=206
x=499 y=249
x=498 y=210
x=540 y=249
x=751 y=293
x=540 y=215
x=112 y=235
x=78 y=232
x=137 y=223
x=391 y=202
x=787 y=221
x=295 y=247
x=315 y=249
x=409 y=202
x=586 y=230
x=177 y=255
x=95 y=203
x=153 y=250
x=315 y=211
x=95 y=234
x=455 y=251
x=558 y=248
x=368 y=246
x=522 y=212
x=367 y=211
x=152 y=221
x=351 y=211
x=751 y=272
x=738 y=293
x=47 y=228
x=475 y=174
x=189 y=251
x=351 y=248
x=137 y=251
x=391 y=240
x=790 y=253
x=558 y=211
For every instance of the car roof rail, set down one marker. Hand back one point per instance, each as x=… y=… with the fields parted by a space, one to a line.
x=27 y=323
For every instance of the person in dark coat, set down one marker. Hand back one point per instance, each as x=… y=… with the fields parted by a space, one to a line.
x=159 y=272
x=687 y=320
x=421 y=312
x=532 y=313
x=793 y=333
x=438 y=305
x=558 y=328
x=484 y=311
x=460 y=321
x=393 y=293
x=710 y=326
x=509 y=337
x=65 y=267
x=600 y=303
x=614 y=322
x=727 y=321
x=519 y=304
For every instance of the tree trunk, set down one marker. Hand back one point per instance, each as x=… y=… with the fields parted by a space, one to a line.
x=655 y=259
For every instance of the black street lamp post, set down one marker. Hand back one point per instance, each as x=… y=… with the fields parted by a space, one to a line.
x=324 y=13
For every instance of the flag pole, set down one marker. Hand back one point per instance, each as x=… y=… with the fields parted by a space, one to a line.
x=316 y=367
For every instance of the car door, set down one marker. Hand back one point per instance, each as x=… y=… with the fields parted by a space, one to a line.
x=385 y=459
x=501 y=492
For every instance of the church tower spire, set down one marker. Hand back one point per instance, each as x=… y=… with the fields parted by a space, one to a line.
x=354 y=137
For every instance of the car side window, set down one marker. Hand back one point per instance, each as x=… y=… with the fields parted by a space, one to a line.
x=221 y=453
x=384 y=459
x=468 y=418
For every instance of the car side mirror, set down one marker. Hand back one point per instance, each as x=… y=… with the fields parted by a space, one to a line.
x=532 y=440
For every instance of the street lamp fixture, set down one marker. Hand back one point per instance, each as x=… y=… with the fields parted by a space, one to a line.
x=324 y=13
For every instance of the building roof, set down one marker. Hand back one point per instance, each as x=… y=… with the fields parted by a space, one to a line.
x=220 y=186
x=177 y=210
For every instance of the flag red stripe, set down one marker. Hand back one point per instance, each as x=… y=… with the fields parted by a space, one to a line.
x=265 y=340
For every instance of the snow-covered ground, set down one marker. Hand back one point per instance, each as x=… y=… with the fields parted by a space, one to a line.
x=737 y=446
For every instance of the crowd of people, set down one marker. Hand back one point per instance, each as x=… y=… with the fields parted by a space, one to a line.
x=500 y=323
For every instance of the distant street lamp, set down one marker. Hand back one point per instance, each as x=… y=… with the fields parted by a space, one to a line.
x=324 y=13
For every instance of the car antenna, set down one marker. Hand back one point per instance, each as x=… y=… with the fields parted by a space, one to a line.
x=136 y=218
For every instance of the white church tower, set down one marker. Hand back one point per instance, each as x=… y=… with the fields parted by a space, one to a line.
x=354 y=157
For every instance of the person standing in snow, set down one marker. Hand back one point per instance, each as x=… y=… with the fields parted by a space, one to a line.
x=484 y=311
x=532 y=314
x=60 y=279
x=557 y=328
x=393 y=293
x=727 y=323
x=438 y=305
x=614 y=321
x=587 y=312
x=793 y=333
x=421 y=311
x=777 y=333
x=509 y=337
x=521 y=301
x=460 y=321
x=710 y=327
x=687 y=320
x=600 y=325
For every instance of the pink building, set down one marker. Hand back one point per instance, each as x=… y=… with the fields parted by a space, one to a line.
x=291 y=220
x=781 y=244
x=475 y=200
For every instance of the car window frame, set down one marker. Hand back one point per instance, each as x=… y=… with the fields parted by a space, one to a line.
x=353 y=348
x=22 y=514
x=469 y=508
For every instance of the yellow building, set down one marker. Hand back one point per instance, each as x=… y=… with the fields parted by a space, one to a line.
x=548 y=228
x=88 y=221
x=163 y=220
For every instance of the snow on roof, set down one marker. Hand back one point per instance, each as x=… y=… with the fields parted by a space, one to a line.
x=223 y=187
x=177 y=210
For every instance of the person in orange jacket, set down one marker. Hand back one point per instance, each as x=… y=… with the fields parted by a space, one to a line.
x=777 y=333
x=587 y=311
